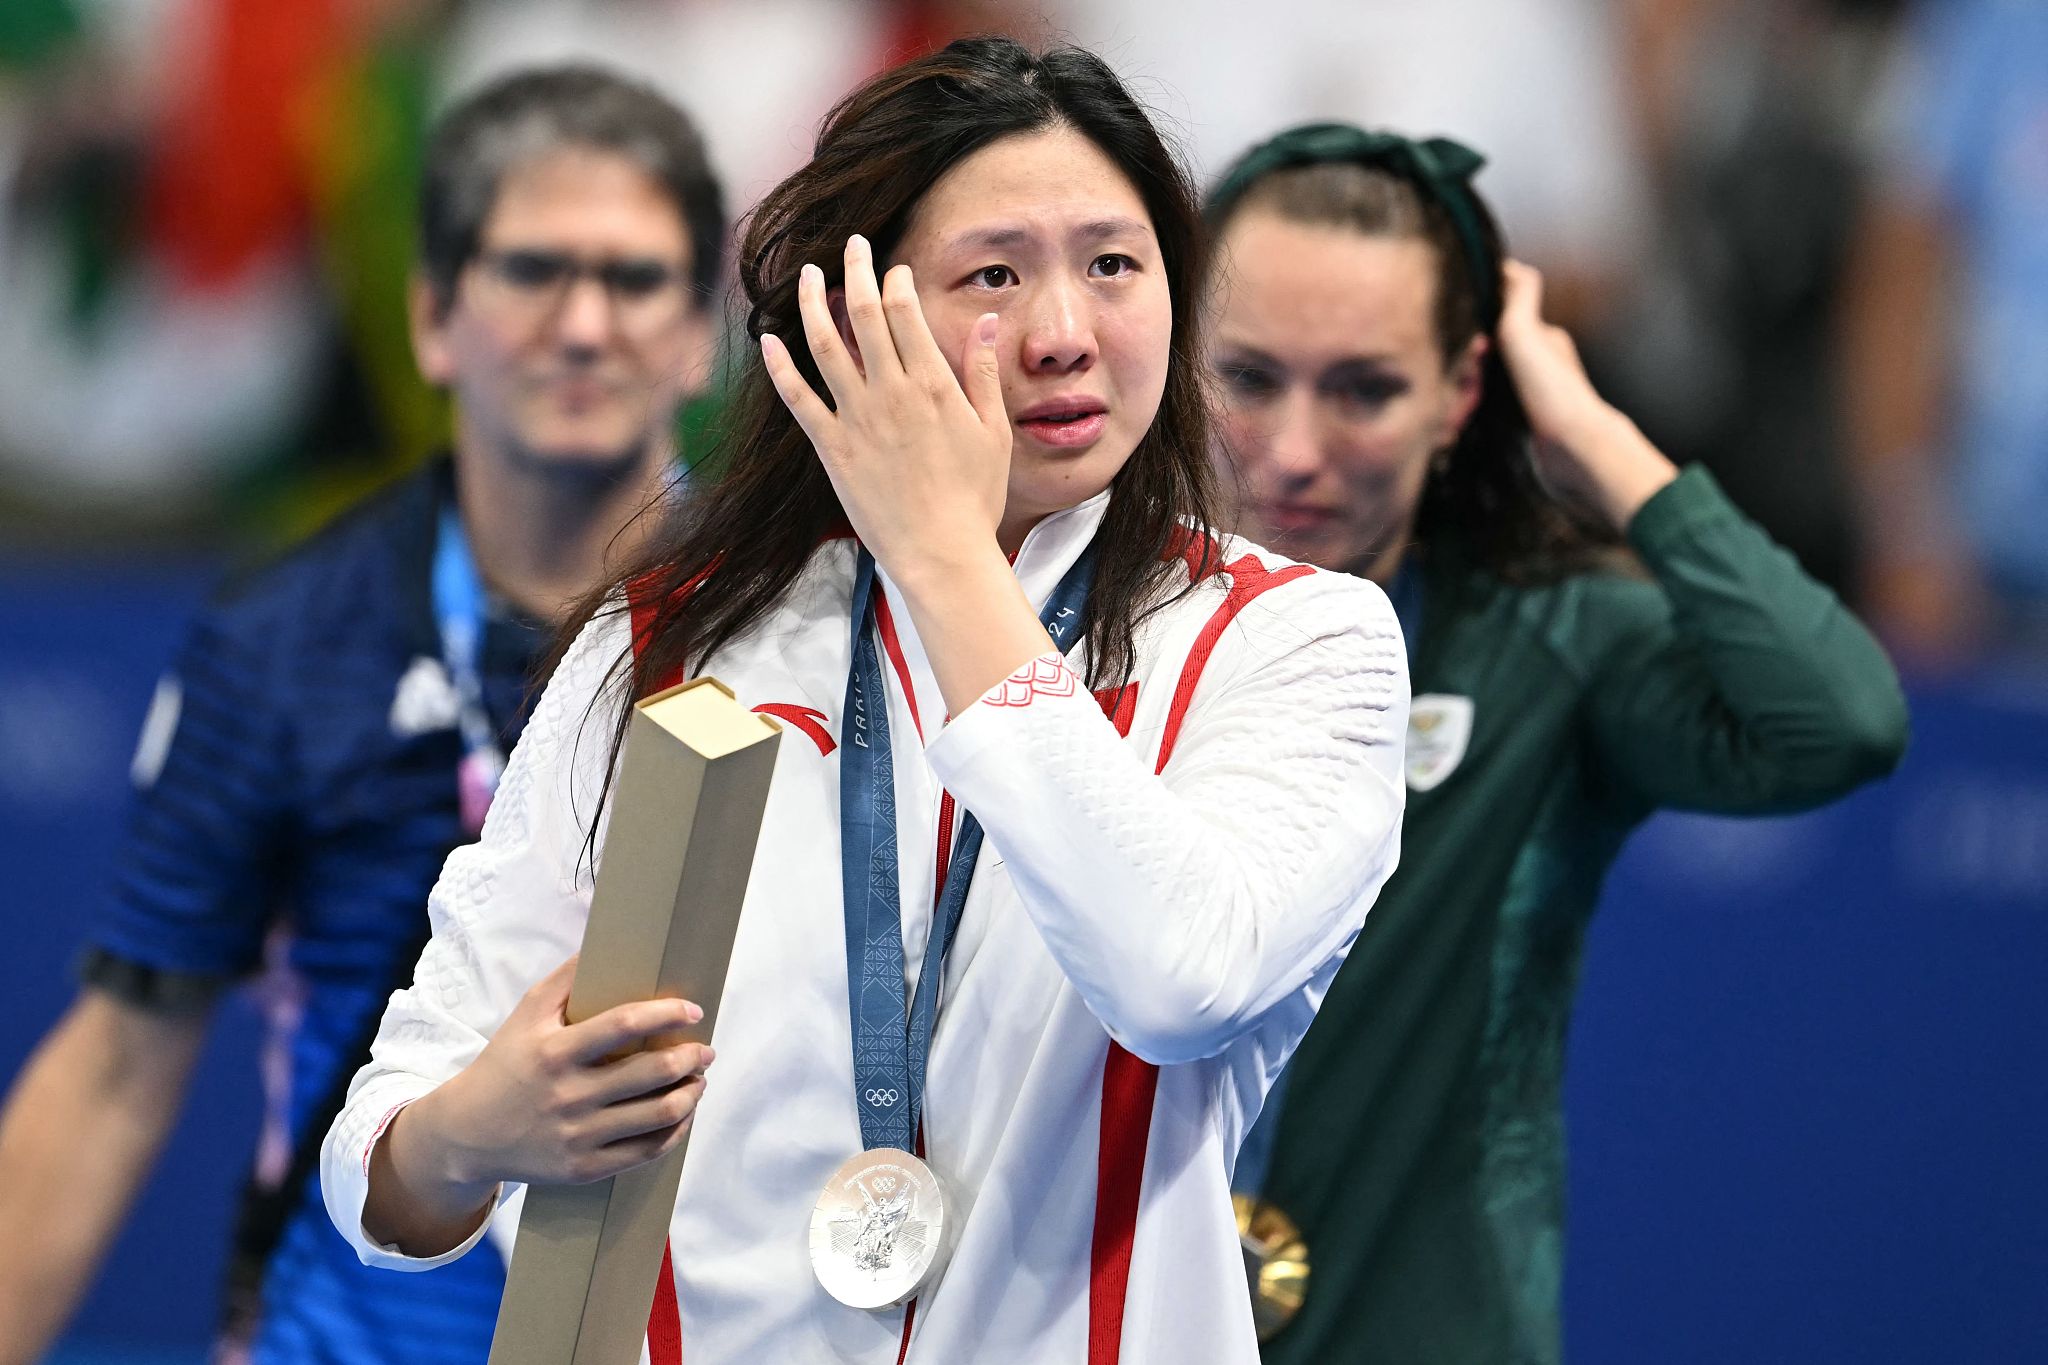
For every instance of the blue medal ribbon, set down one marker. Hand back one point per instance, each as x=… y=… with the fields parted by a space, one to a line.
x=459 y=617
x=891 y=1034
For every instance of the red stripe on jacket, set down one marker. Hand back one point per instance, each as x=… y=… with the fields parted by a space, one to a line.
x=1129 y=1085
x=665 y=1318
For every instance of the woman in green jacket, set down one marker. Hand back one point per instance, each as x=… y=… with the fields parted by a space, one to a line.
x=1395 y=406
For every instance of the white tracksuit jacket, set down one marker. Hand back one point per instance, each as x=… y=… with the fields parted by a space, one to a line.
x=1138 y=956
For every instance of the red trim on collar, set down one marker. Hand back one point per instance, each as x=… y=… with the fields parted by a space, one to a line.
x=885 y=622
x=649 y=614
x=1248 y=580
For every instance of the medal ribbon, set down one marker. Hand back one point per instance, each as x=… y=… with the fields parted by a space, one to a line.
x=891 y=1034
x=459 y=616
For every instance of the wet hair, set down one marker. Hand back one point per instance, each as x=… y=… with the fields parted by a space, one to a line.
x=1484 y=497
x=739 y=543
x=528 y=114
x=727 y=554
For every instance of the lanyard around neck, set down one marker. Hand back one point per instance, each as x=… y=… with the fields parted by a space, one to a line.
x=459 y=618
x=892 y=1034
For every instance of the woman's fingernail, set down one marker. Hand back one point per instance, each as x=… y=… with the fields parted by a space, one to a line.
x=985 y=330
x=811 y=274
x=858 y=242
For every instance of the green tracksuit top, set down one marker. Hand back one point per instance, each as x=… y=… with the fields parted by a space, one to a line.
x=1420 y=1143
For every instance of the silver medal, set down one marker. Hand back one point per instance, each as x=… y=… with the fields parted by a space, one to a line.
x=880 y=1231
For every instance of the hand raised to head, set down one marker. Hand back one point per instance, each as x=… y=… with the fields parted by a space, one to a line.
x=920 y=459
x=1586 y=450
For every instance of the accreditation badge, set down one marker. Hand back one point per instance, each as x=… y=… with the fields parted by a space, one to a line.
x=1439 y=728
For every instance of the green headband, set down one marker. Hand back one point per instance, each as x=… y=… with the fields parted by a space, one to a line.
x=1440 y=168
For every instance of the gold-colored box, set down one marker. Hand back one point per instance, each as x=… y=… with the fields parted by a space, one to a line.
x=686 y=815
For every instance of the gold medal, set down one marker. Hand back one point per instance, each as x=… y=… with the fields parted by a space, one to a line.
x=1275 y=1263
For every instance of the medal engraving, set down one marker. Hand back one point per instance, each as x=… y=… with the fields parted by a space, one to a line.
x=878 y=1232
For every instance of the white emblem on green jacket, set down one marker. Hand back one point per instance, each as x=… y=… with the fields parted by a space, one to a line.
x=1439 y=727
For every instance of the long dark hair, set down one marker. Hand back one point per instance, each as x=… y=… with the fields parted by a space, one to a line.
x=1483 y=497
x=731 y=551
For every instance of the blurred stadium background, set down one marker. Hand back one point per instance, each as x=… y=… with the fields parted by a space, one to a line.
x=1803 y=241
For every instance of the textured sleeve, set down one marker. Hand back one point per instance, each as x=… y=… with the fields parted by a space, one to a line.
x=1185 y=904
x=1757 y=691
x=506 y=911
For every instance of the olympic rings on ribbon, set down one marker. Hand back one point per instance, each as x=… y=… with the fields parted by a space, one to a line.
x=883 y=1097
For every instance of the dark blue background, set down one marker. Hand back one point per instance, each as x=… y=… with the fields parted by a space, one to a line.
x=81 y=646
x=1807 y=1088
x=1808 y=1081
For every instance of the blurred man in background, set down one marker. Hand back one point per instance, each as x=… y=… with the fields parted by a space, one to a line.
x=337 y=722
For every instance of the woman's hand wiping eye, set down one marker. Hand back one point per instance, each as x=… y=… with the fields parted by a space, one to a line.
x=919 y=457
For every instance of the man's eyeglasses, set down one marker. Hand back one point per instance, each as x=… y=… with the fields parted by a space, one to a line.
x=645 y=294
